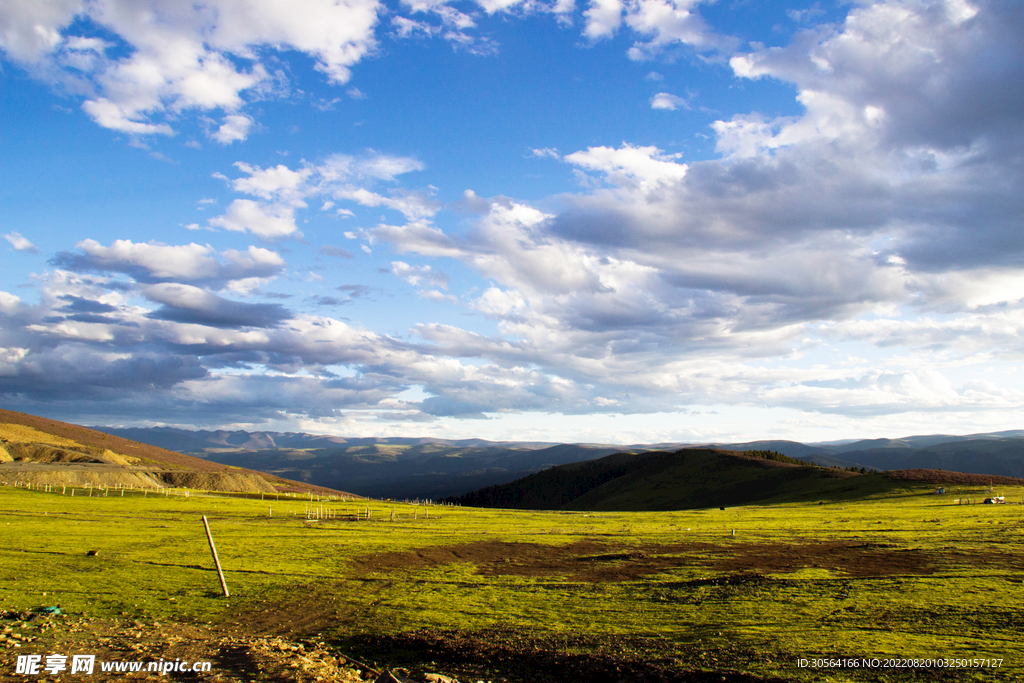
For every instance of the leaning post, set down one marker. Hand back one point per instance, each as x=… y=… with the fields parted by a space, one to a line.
x=216 y=561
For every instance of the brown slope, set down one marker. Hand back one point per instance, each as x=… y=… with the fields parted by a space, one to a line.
x=151 y=455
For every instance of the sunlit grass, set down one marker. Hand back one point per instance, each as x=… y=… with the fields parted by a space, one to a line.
x=153 y=562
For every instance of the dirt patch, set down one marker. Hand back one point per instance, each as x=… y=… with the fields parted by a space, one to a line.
x=855 y=559
x=237 y=653
x=508 y=655
x=233 y=654
x=586 y=560
x=596 y=562
x=307 y=611
x=987 y=558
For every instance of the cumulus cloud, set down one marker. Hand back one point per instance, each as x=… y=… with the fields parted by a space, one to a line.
x=20 y=243
x=180 y=57
x=152 y=262
x=603 y=18
x=281 y=190
x=235 y=128
x=663 y=22
x=885 y=215
x=629 y=164
x=164 y=59
x=269 y=221
x=664 y=100
x=894 y=194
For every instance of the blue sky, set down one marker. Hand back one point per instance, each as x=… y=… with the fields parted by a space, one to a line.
x=600 y=221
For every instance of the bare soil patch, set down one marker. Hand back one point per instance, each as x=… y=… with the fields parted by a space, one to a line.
x=856 y=559
x=306 y=612
x=234 y=654
x=597 y=562
x=521 y=657
x=585 y=560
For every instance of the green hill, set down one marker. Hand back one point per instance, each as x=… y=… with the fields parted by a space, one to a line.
x=684 y=479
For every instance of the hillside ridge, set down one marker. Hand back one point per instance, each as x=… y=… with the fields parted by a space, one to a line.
x=693 y=478
x=64 y=453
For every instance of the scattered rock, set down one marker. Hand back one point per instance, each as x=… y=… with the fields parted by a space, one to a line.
x=439 y=678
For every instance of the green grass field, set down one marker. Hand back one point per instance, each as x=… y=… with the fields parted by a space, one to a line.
x=908 y=574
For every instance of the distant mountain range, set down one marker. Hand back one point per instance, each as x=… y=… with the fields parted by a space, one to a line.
x=437 y=468
x=399 y=468
x=996 y=453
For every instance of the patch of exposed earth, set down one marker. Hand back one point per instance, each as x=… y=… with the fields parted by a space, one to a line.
x=233 y=654
x=539 y=659
x=598 y=562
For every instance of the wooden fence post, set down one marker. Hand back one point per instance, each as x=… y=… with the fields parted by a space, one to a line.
x=216 y=561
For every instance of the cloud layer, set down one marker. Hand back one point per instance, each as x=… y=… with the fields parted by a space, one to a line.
x=860 y=259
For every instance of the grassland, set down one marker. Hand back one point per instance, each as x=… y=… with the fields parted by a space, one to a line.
x=902 y=574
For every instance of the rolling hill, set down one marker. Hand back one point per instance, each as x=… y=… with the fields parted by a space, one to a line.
x=38 y=450
x=693 y=478
x=687 y=478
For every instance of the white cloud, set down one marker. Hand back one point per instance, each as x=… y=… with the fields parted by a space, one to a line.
x=406 y=27
x=20 y=243
x=603 y=18
x=116 y=117
x=29 y=30
x=283 y=190
x=413 y=206
x=664 y=100
x=668 y=22
x=546 y=153
x=663 y=22
x=254 y=258
x=235 y=127
x=628 y=164
x=274 y=183
x=9 y=303
x=880 y=222
x=342 y=167
x=415 y=275
x=269 y=221
x=182 y=56
x=189 y=261
x=154 y=262
x=887 y=200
